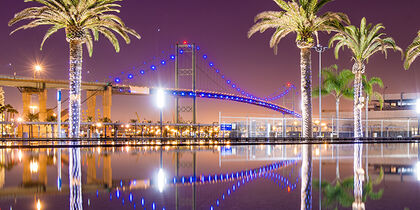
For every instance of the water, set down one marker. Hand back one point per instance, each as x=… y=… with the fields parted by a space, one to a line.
x=236 y=177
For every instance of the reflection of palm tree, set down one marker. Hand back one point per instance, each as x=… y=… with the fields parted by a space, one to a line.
x=75 y=176
x=341 y=193
x=306 y=188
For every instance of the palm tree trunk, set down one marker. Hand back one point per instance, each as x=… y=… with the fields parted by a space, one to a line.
x=306 y=188
x=358 y=70
x=337 y=112
x=306 y=91
x=76 y=53
x=367 y=117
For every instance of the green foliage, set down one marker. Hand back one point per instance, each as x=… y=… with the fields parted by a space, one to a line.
x=363 y=41
x=32 y=117
x=89 y=119
x=368 y=88
x=412 y=52
x=83 y=20
x=106 y=120
x=51 y=118
x=298 y=17
x=341 y=193
x=336 y=83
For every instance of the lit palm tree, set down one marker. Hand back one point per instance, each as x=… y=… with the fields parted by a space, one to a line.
x=299 y=17
x=363 y=41
x=370 y=93
x=412 y=51
x=83 y=21
x=337 y=84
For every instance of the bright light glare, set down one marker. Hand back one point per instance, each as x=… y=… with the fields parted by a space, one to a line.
x=20 y=155
x=38 y=205
x=418 y=106
x=161 y=180
x=160 y=98
x=417 y=170
x=33 y=166
x=38 y=67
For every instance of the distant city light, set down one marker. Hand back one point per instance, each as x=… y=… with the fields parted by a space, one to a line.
x=418 y=106
x=160 y=98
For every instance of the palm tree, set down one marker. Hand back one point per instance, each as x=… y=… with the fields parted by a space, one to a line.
x=337 y=84
x=83 y=21
x=363 y=43
x=299 y=17
x=412 y=51
x=370 y=93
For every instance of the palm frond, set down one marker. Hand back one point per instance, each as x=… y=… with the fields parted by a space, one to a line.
x=82 y=19
x=299 y=17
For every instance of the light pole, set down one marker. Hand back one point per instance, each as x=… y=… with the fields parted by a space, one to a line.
x=37 y=69
x=160 y=102
x=320 y=49
x=418 y=115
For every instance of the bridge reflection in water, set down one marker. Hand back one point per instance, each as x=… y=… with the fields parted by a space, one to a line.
x=201 y=177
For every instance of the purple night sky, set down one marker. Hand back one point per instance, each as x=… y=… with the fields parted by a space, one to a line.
x=219 y=27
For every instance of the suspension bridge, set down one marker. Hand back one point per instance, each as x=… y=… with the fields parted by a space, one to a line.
x=184 y=71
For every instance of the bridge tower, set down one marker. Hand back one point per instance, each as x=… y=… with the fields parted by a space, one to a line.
x=185 y=69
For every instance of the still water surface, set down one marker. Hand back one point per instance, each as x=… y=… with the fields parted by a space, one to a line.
x=376 y=176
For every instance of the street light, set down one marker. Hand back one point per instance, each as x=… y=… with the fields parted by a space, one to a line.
x=160 y=102
x=320 y=49
x=37 y=69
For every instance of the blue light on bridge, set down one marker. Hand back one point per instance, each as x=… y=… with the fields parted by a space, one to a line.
x=205 y=56
x=130 y=76
x=233 y=86
x=163 y=62
x=153 y=67
x=228 y=81
x=117 y=80
x=211 y=64
x=189 y=46
x=181 y=52
x=217 y=70
x=141 y=71
x=172 y=57
x=198 y=48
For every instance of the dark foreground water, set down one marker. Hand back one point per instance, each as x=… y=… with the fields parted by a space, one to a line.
x=376 y=176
